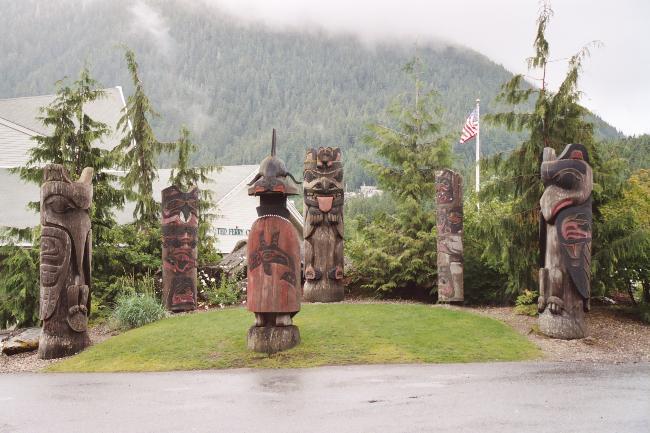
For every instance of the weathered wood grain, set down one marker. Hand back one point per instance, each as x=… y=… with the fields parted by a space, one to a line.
x=565 y=242
x=449 y=218
x=65 y=262
x=323 y=229
x=180 y=222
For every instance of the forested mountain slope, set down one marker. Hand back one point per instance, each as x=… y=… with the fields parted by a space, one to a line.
x=232 y=82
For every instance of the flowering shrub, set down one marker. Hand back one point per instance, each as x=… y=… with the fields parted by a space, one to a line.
x=221 y=293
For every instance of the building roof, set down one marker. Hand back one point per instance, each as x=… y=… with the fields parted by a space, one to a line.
x=236 y=210
x=19 y=123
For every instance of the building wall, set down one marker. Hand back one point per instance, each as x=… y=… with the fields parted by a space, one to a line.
x=14 y=146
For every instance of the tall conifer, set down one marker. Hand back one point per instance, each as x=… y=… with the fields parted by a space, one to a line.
x=394 y=251
x=511 y=210
x=139 y=150
x=184 y=176
x=74 y=144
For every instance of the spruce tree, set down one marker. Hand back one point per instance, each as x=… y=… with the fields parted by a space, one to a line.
x=397 y=251
x=139 y=150
x=185 y=177
x=73 y=144
x=510 y=199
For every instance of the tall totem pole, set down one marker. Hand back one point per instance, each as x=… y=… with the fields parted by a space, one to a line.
x=274 y=283
x=449 y=199
x=565 y=242
x=180 y=224
x=323 y=229
x=66 y=250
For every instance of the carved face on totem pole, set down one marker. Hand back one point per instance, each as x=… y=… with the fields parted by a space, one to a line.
x=180 y=223
x=323 y=230
x=449 y=223
x=274 y=286
x=65 y=261
x=565 y=233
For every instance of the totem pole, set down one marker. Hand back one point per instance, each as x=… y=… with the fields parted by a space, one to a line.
x=274 y=290
x=323 y=229
x=565 y=242
x=66 y=244
x=449 y=199
x=180 y=223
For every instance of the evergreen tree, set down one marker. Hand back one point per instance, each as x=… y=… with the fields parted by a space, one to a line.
x=623 y=258
x=73 y=145
x=139 y=150
x=394 y=251
x=19 y=287
x=185 y=177
x=510 y=199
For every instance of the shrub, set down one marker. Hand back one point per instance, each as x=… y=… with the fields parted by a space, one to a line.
x=136 y=310
x=138 y=303
x=228 y=292
x=526 y=303
x=19 y=287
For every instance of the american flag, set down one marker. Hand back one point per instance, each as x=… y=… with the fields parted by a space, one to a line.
x=471 y=127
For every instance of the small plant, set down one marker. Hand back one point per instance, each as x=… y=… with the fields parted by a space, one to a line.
x=138 y=303
x=133 y=311
x=526 y=303
x=228 y=292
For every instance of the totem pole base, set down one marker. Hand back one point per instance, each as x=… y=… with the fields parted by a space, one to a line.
x=273 y=339
x=320 y=291
x=563 y=326
x=57 y=346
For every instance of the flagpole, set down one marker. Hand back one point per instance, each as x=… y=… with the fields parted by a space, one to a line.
x=478 y=145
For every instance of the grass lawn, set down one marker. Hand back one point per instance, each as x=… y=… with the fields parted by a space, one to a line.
x=332 y=334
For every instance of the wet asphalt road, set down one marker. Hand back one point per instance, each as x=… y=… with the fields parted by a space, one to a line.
x=476 y=398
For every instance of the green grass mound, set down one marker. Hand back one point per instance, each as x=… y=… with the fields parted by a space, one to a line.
x=332 y=334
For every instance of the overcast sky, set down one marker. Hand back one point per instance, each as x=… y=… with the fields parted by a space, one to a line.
x=615 y=81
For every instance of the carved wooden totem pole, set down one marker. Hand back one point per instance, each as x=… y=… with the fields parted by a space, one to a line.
x=565 y=242
x=449 y=199
x=66 y=250
x=180 y=223
x=274 y=284
x=323 y=229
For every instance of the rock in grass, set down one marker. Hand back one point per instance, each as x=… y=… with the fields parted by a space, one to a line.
x=273 y=339
x=25 y=341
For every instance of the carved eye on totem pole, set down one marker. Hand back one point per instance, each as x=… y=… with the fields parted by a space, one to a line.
x=568 y=180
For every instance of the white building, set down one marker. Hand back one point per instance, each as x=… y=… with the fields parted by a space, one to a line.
x=19 y=122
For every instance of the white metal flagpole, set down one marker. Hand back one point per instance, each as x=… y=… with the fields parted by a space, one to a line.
x=478 y=145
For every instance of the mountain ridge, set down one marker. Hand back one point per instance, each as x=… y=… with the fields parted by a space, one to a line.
x=232 y=81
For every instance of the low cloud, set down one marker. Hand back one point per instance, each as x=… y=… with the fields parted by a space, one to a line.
x=149 y=22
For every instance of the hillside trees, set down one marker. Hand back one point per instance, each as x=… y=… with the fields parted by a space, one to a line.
x=393 y=251
x=230 y=83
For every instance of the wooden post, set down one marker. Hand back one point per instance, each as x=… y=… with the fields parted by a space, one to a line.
x=565 y=242
x=66 y=251
x=274 y=284
x=323 y=229
x=180 y=224
x=449 y=200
